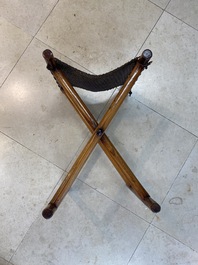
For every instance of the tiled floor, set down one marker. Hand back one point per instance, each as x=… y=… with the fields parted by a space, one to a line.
x=156 y=130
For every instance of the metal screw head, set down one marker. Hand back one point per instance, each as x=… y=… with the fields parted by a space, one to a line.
x=147 y=54
x=99 y=132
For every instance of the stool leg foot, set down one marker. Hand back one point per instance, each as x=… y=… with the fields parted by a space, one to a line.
x=143 y=195
x=152 y=205
x=48 y=212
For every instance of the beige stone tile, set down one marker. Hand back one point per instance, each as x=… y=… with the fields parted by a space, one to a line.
x=35 y=113
x=26 y=181
x=13 y=42
x=160 y=248
x=153 y=147
x=185 y=10
x=179 y=217
x=99 y=35
x=88 y=228
x=170 y=84
x=27 y=15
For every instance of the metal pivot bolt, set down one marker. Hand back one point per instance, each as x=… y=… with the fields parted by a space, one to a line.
x=100 y=132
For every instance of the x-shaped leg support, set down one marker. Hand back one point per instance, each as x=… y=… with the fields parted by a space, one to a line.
x=98 y=134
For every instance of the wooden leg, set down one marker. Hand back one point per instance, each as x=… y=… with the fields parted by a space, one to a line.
x=105 y=143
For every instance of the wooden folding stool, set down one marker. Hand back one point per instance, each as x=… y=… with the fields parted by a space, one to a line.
x=66 y=77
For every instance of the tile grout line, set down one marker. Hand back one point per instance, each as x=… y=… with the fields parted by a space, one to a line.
x=27 y=148
x=168 y=119
x=163 y=10
x=32 y=38
x=35 y=37
x=21 y=242
x=123 y=207
x=34 y=220
x=152 y=225
x=4 y=259
x=57 y=1
x=26 y=33
x=181 y=20
x=159 y=5
x=176 y=177
x=173 y=237
x=131 y=212
x=138 y=244
x=182 y=167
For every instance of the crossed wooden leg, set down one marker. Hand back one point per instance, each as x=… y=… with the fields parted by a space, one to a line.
x=98 y=135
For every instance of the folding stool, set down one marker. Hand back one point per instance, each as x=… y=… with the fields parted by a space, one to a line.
x=68 y=77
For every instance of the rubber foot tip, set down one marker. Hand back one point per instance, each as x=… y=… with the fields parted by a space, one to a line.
x=155 y=207
x=47 y=213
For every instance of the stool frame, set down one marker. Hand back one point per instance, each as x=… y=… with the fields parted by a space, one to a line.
x=98 y=134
